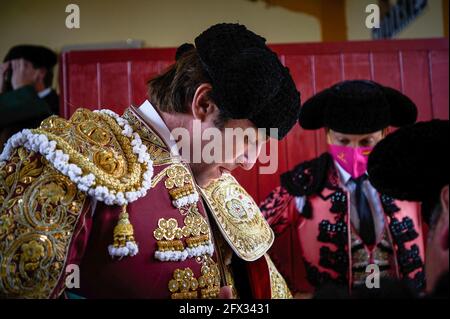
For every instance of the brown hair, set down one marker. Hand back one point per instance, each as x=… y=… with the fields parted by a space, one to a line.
x=173 y=90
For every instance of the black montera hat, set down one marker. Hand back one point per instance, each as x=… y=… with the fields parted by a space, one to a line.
x=357 y=107
x=412 y=163
x=248 y=79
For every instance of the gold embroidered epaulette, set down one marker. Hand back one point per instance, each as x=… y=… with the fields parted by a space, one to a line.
x=239 y=218
x=98 y=151
x=101 y=155
x=158 y=150
x=278 y=286
x=40 y=209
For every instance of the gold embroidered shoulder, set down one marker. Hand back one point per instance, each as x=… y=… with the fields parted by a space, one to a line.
x=40 y=209
x=98 y=151
x=239 y=218
x=46 y=177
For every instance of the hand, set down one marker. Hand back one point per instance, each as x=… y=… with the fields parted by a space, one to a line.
x=3 y=68
x=303 y=295
x=226 y=293
x=23 y=73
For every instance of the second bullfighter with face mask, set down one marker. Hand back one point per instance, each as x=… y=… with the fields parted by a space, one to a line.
x=344 y=224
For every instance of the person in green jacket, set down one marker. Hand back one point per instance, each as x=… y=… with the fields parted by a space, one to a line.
x=26 y=95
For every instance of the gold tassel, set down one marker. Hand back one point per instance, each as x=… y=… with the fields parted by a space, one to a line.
x=124 y=243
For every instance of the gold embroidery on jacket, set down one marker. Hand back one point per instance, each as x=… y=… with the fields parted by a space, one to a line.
x=95 y=143
x=279 y=288
x=184 y=285
x=382 y=256
x=179 y=182
x=239 y=218
x=157 y=149
x=39 y=210
x=165 y=234
x=169 y=234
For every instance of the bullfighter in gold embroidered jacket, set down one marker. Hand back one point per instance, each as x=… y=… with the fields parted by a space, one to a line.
x=113 y=196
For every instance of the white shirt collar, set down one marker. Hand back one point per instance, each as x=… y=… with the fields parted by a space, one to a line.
x=343 y=174
x=44 y=92
x=151 y=117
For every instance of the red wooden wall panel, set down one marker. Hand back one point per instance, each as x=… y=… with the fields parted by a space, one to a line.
x=386 y=69
x=356 y=66
x=82 y=87
x=301 y=67
x=117 y=78
x=439 y=83
x=109 y=78
x=115 y=92
x=416 y=81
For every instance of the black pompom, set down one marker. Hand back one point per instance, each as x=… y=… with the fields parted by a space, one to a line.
x=182 y=49
x=248 y=79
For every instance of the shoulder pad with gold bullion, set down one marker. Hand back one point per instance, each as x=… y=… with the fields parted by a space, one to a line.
x=98 y=151
x=239 y=218
x=40 y=209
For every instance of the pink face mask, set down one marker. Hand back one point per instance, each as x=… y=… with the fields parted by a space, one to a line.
x=353 y=160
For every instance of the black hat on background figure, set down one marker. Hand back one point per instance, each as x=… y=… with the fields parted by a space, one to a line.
x=39 y=56
x=357 y=107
